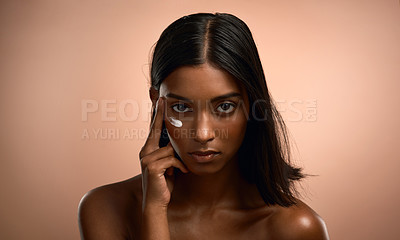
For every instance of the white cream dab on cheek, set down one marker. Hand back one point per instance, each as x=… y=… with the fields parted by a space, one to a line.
x=175 y=122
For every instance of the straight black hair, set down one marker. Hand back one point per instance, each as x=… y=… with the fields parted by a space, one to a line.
x=225 y=42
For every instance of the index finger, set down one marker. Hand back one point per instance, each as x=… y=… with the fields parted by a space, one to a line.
x=153 y=139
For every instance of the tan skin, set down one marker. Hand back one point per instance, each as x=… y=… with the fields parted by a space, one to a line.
x=201 y=200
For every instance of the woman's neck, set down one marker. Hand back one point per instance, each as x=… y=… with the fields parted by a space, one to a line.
x=224 y=189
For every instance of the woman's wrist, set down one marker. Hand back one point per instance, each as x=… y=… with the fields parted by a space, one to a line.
x=154 y=210
x=155 y=223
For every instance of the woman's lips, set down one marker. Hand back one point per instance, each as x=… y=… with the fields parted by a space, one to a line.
x=205 y=156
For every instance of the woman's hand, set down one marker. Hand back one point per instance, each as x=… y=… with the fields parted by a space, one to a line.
x=158 y=165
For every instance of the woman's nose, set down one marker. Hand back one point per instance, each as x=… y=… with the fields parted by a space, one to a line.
x=204 y=131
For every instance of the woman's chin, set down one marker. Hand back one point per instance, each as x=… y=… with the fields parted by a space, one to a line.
x=203 y=170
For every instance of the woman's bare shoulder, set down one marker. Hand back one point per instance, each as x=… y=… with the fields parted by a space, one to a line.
x=119 y=192
x=298 y=222
x=104 y=212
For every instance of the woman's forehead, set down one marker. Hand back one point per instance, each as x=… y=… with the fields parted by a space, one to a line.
x=200 y=82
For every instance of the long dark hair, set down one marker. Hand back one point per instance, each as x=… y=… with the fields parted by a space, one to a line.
x=224 y=41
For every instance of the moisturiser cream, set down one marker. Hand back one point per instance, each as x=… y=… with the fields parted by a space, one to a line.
x=175 y=122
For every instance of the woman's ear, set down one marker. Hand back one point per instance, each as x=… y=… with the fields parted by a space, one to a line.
x=153 y=95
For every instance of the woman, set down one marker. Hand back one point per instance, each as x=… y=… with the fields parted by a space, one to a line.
x=216 y=162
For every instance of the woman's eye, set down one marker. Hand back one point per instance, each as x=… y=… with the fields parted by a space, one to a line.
x=226 y=107
x=180 y=108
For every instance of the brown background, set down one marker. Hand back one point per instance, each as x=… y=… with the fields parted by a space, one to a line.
x=54 y=55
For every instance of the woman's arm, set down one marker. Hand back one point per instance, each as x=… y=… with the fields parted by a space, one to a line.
x=155 y=224
x=157 y=180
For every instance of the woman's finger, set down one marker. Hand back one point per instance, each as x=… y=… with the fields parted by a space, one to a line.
x=153 y=138
x=159 y=167
x=157 y=155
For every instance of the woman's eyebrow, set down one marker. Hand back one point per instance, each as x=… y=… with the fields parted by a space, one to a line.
x=228 y=95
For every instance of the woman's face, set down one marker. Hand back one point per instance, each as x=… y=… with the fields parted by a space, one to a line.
x=206 y=116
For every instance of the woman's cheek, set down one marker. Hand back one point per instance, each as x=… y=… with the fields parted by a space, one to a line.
x=176 y=136
x=235 y=130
